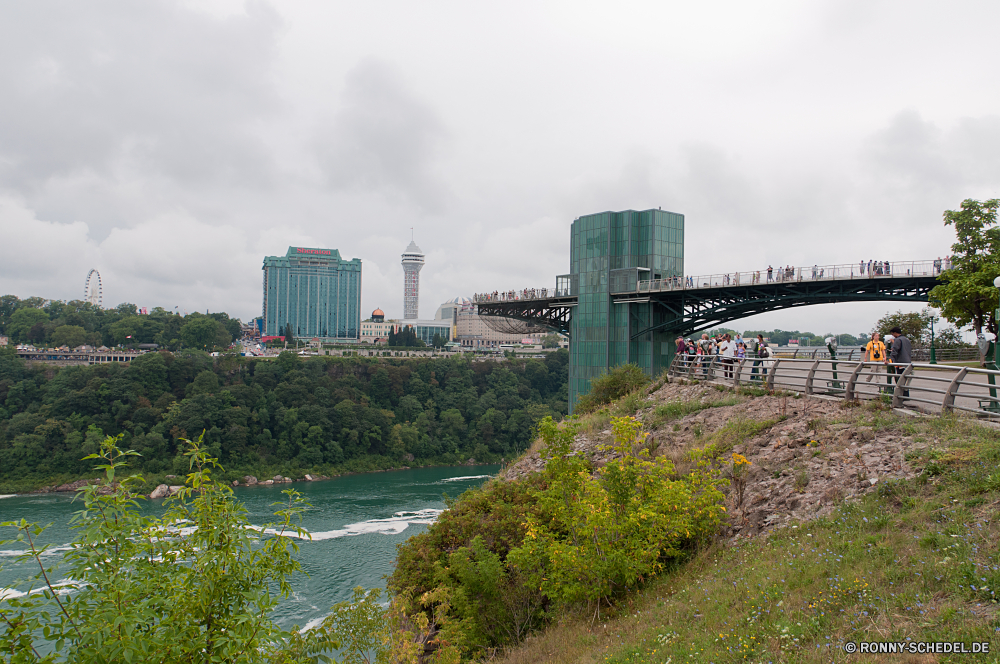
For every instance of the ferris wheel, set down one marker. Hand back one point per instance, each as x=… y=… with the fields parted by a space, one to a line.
x=92 y=289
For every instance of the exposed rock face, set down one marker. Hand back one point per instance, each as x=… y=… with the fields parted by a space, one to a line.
x=174 y=488
x=268 y=482
x=470 y=462
x=161 y=491
x=249 y=480
x=801 y=468
x=309 y=478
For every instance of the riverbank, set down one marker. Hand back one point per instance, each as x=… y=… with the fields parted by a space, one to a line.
x=239 y=477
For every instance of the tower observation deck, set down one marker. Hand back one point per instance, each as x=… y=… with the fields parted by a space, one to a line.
x=626 y=298
x=413 y=260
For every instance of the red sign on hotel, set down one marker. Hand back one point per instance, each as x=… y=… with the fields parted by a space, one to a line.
x=300 y=250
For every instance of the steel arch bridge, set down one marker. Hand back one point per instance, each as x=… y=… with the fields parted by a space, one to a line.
x=683 y=310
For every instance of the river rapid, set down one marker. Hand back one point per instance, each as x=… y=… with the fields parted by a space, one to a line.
x=355 y=521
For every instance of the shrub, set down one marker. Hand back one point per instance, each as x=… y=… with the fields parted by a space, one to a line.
x=616 y=383
x=598 y=535
x=145 y=589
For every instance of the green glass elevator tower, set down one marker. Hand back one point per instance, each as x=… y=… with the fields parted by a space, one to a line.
x=609 y=253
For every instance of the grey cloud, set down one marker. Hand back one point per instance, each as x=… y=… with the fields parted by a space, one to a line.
x=383 y=139
x=138 y=87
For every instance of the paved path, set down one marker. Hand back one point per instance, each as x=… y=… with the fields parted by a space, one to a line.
x=928 y=379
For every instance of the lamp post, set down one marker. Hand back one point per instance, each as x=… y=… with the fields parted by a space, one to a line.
x=933 y=355
x=996 y=316
x=831 y=345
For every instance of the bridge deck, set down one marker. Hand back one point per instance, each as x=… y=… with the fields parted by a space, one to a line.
x=690 y=304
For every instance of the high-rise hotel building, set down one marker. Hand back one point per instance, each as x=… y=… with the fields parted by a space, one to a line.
x=316 y=291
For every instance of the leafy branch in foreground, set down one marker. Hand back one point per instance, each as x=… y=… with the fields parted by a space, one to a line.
x=195 y=585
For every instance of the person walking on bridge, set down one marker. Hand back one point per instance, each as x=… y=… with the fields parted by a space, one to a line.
x=900 y=354
x=770 y=273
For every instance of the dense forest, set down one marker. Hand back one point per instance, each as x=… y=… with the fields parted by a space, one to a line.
x=44 y=322
x=288 y=415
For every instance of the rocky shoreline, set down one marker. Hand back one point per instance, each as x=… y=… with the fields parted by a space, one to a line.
x=166 y=490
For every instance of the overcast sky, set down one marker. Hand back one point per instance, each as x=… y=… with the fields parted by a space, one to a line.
x=172 y=145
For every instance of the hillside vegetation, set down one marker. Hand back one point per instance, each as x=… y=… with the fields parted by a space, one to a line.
x=842 y=524
x=322 y=415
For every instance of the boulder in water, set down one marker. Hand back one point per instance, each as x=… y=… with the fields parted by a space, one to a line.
x=161 y=491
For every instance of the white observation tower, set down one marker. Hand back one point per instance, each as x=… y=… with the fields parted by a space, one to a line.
x=413 y=260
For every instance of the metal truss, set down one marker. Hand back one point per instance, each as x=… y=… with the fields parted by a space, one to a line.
x=526 y=316
x=689 y=311
x=686 y=311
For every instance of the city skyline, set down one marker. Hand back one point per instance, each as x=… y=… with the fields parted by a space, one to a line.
x=788 y=134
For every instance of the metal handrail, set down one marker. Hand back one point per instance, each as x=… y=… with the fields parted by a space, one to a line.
x=948 y=388
x=867 y=270
x=779 y=275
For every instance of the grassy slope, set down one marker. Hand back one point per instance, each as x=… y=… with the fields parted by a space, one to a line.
x=918 y=560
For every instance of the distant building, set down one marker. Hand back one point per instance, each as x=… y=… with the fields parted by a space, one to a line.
x=4 y=341
x=426 y=329
x=472 y=332
x=314 y=290
x=413 y=261
x=376 y=329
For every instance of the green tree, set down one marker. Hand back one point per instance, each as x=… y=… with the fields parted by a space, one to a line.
x=966 y=295
x=22 y=320
x=126 y=330
x=438 y=341
x=204 y=333
x=915 y=325
x=69 y=335
x=551 y=341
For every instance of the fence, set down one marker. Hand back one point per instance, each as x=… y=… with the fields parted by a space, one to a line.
x=856 y=352
x=869 y=270
x=935 y=387
x=565 y=284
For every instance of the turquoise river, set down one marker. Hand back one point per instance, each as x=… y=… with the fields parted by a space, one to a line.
x=355 y=521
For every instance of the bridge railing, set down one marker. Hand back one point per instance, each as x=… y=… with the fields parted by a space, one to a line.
x=934 y=387
x=857 y=352
x=781 y=275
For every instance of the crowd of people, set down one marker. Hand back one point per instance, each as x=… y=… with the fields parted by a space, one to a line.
x=512 y=295
x=728 y=348
x=891 y=355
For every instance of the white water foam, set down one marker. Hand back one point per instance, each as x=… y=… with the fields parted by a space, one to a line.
x=62 y=587
x=48 y=552
x=312 y=624
x=393 y=525
x=8 y=495
x=466 y=477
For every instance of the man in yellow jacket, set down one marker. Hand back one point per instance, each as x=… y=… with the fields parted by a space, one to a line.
x=875 y=352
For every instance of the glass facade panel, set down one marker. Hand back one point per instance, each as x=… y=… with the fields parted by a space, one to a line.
x=609 y=252
x=314 y=290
